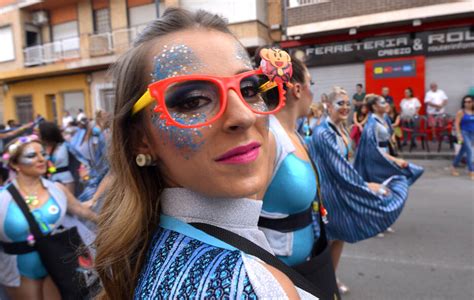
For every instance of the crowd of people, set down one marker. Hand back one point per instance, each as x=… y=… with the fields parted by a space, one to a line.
x=219 y=179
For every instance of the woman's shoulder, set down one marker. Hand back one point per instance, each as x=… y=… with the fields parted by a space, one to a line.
x=181 y=265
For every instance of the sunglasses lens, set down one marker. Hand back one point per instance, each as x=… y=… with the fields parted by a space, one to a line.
x=192 y=102
x=261 y=94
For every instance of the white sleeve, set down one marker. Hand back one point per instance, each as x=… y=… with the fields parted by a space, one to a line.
x=445 y=97
x=427 y=97
x=418 y=104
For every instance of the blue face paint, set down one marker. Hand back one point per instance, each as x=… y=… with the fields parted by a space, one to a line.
x=175 y=60
x=186 y=140
x=172 y=61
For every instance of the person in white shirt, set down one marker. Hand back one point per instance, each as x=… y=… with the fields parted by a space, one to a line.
x=410 y=106
x=435 y=100
x=67 y=119
x=81 y=115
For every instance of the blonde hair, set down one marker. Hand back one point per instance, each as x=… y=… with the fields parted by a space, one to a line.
x=130 y=213
x=336 y=92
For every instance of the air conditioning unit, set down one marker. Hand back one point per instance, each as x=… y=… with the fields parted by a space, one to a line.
x=39 y=17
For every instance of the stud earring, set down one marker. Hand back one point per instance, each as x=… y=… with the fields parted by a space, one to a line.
x=143 y=160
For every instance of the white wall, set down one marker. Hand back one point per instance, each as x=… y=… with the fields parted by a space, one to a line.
x=7 y=49
x=346 y=76
x=454 y=74
x=234 y=10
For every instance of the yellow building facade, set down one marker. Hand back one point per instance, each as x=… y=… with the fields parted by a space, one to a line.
x=57 y=52
x=47 y=95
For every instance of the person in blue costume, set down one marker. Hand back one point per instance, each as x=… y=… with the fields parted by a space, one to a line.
x=292 y=193
x=293 y=186
x=357 y=209
x=373 y=160
x=306 y=125
x=24 y=275
x=97 y=139
x=60 y=160
x=192 y=146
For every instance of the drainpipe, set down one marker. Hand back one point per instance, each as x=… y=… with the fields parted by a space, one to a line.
x=157 y=7
x=284 y=24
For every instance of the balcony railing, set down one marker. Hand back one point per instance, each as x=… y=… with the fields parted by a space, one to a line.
x=52 y=52
x=296 y=3
x=100 y=44
x=116 y=41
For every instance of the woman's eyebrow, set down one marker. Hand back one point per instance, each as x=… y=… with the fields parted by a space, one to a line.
x=243 y=71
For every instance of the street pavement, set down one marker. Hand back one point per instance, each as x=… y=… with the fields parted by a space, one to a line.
x=431 y=254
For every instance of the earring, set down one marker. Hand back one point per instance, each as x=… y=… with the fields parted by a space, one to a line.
x=143 y=160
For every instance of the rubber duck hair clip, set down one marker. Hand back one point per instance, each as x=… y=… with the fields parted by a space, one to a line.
x=276 y=64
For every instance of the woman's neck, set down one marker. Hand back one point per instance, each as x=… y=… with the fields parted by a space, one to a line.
x=380 y=115
x=287 y=118
x=336 y=121
x=28 y=181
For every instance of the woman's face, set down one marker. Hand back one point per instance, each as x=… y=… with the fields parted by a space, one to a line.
x=380 y=106
x=340 y=108
x=468 y=104
x=317 y=112
x=407 y=94
x=228 y=158
x=32 y=160
x=306 y=95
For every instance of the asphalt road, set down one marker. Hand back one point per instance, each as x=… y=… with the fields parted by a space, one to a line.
x=431 y=254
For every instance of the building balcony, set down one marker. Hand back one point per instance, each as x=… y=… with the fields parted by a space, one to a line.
x=65 y=49
x=94 y=45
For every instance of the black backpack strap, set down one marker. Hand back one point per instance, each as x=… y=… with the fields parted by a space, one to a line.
x=34 y=228
x=251 y=248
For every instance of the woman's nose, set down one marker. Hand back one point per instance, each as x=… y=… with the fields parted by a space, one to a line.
x=238 y=116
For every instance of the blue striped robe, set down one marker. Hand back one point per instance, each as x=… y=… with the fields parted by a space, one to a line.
x=355 y=212
x=373 y=166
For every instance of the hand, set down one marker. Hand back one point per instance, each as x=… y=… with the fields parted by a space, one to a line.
x=377 y=188
x=460 y=139
x=360 y=127
x=401 y=163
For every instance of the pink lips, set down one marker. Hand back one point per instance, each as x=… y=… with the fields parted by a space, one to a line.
x=240 y=155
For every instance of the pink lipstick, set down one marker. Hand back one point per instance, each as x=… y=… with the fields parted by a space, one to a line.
x=240 y=155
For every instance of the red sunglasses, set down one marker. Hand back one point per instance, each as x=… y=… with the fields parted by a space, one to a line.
x=192 y=101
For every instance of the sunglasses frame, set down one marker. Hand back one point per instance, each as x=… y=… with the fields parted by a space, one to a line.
x=156 y=92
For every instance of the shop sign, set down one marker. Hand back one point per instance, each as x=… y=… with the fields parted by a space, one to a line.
x=441 y=42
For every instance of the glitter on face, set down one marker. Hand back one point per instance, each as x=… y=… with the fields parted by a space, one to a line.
x=187 y=140
x=242 y=55
x=175 y=60
x=339 y=104
x=29 y=155
x=259 y=106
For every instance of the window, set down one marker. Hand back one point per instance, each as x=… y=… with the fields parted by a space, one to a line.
x=65 y=30
x=102 y=20
x=73 y=101
x=107 y=99
x=143 y=14
x=24 y=109
x=32 y=35
x=7 y=50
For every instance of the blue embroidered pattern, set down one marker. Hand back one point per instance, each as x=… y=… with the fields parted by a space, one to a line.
x=181 y=267
x=355 y=212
